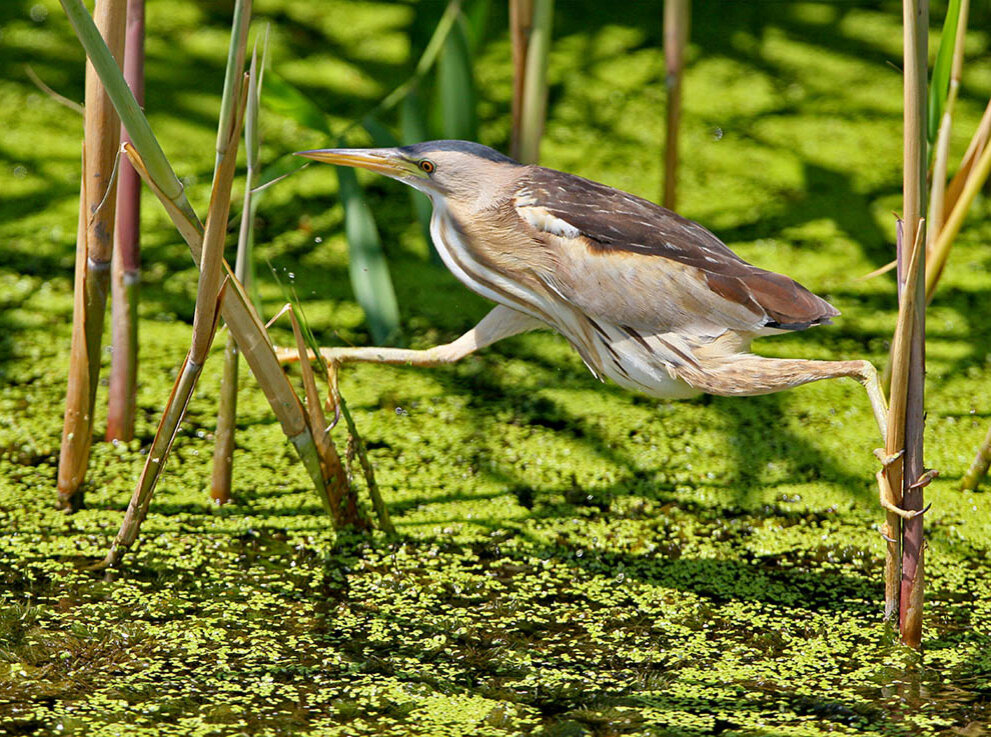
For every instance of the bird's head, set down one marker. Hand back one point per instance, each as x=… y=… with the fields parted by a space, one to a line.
x=446 y=169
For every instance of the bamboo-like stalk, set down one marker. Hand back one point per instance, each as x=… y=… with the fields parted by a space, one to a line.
x=146 y=155
x=223 y=450
x=916 y=27
x=126 y=277
x=534 y=104
x=937 y=197
x=205 y=317
x=520 y=22
x=677 y=16
x=94 y=247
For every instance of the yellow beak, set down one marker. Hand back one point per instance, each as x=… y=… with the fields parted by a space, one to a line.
x=380 y=160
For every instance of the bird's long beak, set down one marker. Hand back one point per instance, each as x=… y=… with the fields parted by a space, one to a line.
x=381 y=160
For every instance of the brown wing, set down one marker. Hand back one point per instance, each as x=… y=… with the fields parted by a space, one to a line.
x=612 y=221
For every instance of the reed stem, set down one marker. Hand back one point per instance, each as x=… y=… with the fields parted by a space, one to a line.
x=534 y=103
x=677 y=16
x=916 y=27
x=94 y=246
x=126 y=277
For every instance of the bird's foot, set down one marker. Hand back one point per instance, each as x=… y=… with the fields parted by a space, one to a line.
x=889 y=500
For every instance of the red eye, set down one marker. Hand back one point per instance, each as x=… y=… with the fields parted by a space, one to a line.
x=427 y=166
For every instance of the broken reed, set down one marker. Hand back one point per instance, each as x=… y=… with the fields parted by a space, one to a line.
x=94 y=246
x=677 y=16
x=126 y=276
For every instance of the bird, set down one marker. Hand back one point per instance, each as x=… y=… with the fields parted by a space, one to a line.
x=650 y=300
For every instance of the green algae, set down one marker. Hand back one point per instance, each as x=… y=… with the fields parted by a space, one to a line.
x=571 y=559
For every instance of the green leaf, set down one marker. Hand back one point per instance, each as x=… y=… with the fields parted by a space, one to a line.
x=282 y=98
x=380 y=133
x=939 y=88
x=456 y=86
x=369 y=270
x=477 y=15
x=413 y=121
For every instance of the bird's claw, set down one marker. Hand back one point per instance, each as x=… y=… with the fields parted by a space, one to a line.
x=887 y=459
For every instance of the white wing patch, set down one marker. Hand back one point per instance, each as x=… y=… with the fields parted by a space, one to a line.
x=542 y=220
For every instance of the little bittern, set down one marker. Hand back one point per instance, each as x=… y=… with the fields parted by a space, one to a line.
x=649 y=299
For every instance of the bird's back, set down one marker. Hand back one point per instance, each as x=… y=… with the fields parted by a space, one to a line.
x=649 y=265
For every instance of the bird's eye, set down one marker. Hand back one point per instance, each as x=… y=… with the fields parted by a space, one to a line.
x=427 y=165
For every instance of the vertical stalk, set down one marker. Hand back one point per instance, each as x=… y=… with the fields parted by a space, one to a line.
x=209 y=297
x=534 y=103
x=94 y=246
x=916 y=27
x=520 y=22
x=126 y=275
x=223 y=449
x=677 y=15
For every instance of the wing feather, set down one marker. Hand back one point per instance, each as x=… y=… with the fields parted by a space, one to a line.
x=601 y=230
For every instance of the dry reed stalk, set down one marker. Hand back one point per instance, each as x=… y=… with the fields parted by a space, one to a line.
x=534 y=103
x=223 y=450
x=94 y=247
x=974 y=150
x=205 y=317
x=677 y=16
x=520 y=22
x=126 y=276
x=916 y=27
x=340 y=501
x=978 y=174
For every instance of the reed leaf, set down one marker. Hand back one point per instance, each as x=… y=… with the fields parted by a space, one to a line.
x=939 y=89
x=456 y=87
x=413 y=123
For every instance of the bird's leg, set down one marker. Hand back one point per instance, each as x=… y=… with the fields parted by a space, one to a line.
x=501 y=322
x=745 y=374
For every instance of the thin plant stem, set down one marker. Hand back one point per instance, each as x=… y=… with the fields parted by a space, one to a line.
x=979 y=466
x=223 y=451
x=361 y=451
x=126 y=277
x=94 y=247
x=520 y=23
x=677 y=16
x=534 y=107
x=916 y=25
